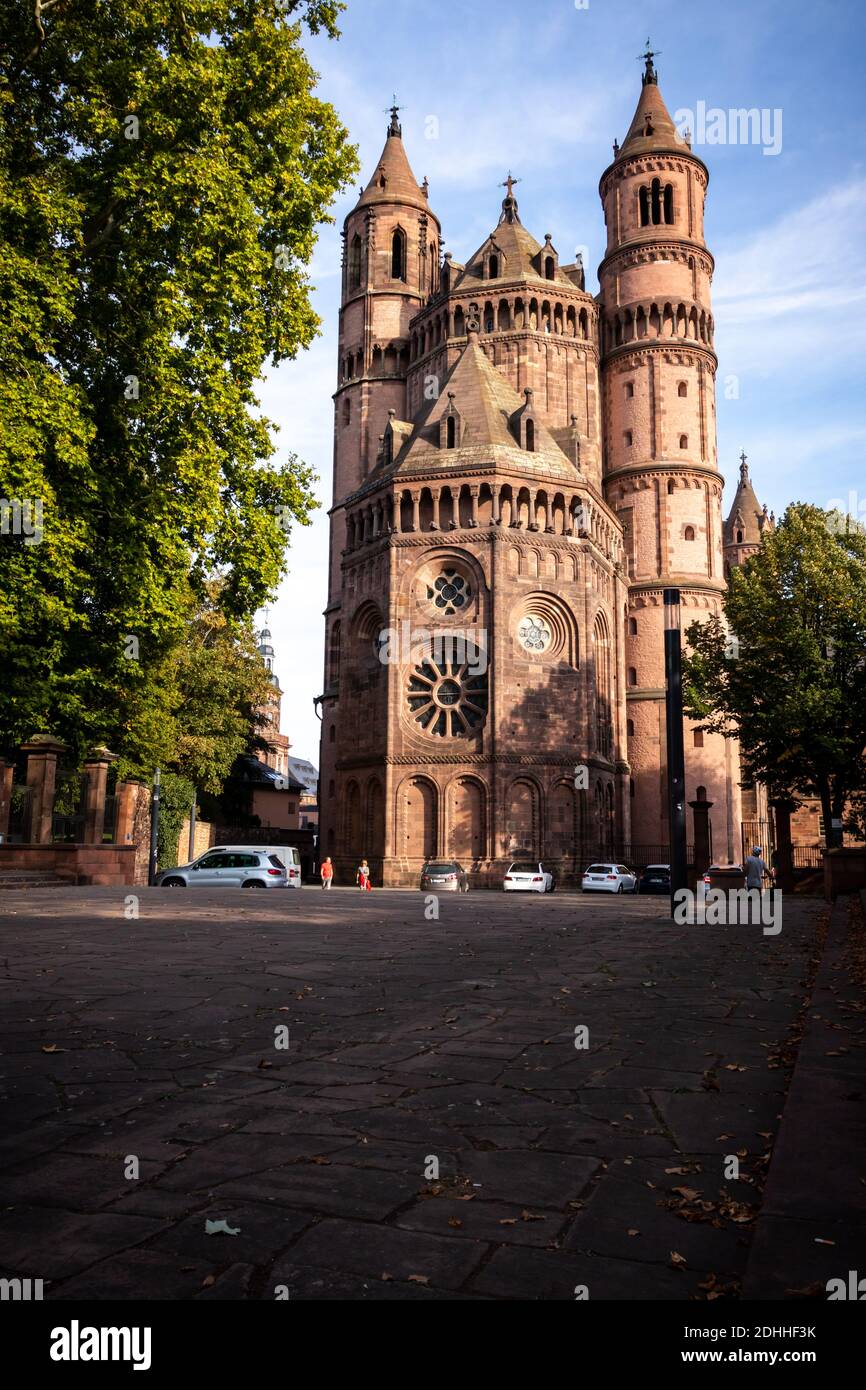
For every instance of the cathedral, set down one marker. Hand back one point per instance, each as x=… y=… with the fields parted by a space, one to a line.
x=520 y=470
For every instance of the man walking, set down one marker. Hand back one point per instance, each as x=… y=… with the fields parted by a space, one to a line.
x=327 y=873
x=756 y=870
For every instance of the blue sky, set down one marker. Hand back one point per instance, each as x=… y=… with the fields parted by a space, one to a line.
x=543 y=90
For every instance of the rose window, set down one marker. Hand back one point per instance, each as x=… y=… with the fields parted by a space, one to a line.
x=534 y=634
x=449 y=592
x=448 y=697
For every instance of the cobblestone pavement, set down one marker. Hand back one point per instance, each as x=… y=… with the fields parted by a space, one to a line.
x=412 y=1042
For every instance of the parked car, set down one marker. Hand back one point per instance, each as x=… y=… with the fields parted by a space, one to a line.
x=526 y=877
x=229 y=866
x=725 y=876
x=609 y=878
x=444 y=876
x=655 y=878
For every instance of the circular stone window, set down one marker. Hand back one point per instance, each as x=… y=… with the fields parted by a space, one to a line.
x=448 y=697
x=449 y=592
x=534 y=634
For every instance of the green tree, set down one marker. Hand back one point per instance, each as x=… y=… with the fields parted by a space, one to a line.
x=163 y=171
x=785 y=673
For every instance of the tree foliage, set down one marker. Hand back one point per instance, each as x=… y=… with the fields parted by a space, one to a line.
x=785 y=673
x=163 y=170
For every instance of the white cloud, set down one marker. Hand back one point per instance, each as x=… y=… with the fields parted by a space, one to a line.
x=795 y=289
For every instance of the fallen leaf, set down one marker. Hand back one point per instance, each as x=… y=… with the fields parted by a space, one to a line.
x=677 y=1260
x=209 y=1281
x=52 y=1047
x=418 y=1279
x=634 y=1232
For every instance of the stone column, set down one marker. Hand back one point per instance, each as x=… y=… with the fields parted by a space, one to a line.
x=473 y=498
x=494 y=498
x=7 y=777
x=42 y=753
x=437 y=497
x=701 y=811
x=96 y=779
x=783 y=858
x=416 y=511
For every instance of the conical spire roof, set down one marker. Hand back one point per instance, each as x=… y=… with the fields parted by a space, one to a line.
x=652 y=127
x=746 y=514
x=393 y=180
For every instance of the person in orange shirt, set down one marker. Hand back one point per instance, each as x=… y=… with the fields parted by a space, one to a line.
x=327 y=873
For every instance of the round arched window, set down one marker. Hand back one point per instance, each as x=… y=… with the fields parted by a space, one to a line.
x=449 y=592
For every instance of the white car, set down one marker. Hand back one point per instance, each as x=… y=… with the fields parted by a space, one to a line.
x=526 y=877
x=608 y=878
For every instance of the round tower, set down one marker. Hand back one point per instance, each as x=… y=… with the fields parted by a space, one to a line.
x=660 y=468
x=391 y=245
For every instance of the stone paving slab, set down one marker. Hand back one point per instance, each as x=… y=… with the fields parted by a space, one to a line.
x=412 y=1044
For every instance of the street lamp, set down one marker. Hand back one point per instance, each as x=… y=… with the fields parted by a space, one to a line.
x=676 y=756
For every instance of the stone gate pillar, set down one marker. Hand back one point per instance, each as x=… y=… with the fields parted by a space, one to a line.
x=127 y=801
x=783 y=859
x=96 y=782
x=701 y=814
x=42 y=752
x=7 y=777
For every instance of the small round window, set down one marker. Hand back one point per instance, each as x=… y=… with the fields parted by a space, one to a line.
x=534 y=634
x=449 y=593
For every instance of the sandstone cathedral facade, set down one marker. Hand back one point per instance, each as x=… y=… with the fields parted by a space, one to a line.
x=520 y=469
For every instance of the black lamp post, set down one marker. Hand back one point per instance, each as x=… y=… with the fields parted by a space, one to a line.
x=154 y=829
x=676 y=756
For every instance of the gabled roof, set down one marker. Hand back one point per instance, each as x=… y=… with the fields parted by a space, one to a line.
x=489 y=411
x=518 y=248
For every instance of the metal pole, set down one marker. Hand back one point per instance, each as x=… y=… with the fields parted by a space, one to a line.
x=676 y=755
x=191 y=849
x=154 y=829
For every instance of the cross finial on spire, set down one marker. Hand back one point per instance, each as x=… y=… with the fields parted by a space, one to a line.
x=650 y=74
x=744 y=471
x=509 y=184
x=395 y=128
x=509 y=202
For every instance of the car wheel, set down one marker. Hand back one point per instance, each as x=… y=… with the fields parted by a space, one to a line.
x=620 y=888
x=173 y=883
x=466 y=886
x=252 y=883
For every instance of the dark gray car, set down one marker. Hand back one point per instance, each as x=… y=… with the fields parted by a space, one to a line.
x=444 y=876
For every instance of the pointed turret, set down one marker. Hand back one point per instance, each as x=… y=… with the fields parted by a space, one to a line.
x=652 y=127
x=393 y=180
x=747 y=521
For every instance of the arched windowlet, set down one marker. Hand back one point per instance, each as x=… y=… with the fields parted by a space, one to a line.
x=684 y=441
x=451 y=433
x=698 y=740
x=670 y=487
x=493 y=268
x=530 y=436
x=628 y=439
x=632 y=627
x=689 y=533
x=643 y=203
x=398 y=254
x=629 y=390
x=739 y=538
x=632 y=675
x=549 y=268
x=355 y=262
x=629 y=727
x=669 y=203
x=656 y=201
x=682 y=389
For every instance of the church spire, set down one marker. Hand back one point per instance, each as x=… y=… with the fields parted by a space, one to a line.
x=652 y=127
x=509 y=202
x=394 y=127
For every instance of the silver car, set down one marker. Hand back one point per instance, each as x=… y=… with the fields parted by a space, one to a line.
x=247 y=867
